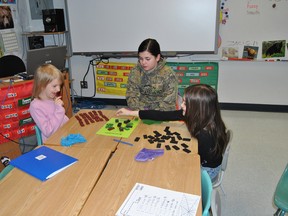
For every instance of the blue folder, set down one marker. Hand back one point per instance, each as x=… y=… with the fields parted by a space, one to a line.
x=43 y=162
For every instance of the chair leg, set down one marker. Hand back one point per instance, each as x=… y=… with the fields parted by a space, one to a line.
x=222 y=190
x=216 y=204
x=276 y=213
x=279 y=212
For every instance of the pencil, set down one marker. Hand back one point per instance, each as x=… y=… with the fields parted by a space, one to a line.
x=120 y=141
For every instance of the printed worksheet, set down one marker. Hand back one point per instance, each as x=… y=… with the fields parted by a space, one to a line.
x=146 y=200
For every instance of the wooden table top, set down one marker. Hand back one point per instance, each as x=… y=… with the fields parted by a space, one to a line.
x=87 y=130
x=174 y=171
x=63 y=194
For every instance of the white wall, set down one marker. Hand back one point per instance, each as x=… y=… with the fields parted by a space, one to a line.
x=253 y=82
x=238 y=82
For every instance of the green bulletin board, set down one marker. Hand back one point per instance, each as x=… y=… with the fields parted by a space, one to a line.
x=195 y=73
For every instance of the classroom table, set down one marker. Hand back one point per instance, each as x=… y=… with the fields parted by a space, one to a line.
x=88 y=131
x=63 y=194
x=105 y=173
x=173 y=170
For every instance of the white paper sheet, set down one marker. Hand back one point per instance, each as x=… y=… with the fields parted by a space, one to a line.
x=144 y=200
x=10 y=41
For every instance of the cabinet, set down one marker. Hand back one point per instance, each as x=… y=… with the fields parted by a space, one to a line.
x=15 y=119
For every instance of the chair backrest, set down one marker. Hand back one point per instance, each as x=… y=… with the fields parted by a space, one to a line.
x=5 y=171
x=226 y=152
x=218 y=180
x=281 y=192
x=38 y=135
x=206 y=191
x=11 y=65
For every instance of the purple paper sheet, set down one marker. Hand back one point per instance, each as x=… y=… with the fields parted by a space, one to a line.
x=148 y=154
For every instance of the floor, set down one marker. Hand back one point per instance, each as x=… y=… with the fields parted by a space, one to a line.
x=257 y=158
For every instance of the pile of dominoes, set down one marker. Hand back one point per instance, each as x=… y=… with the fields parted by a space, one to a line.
x=168 y=139
x=91 y=117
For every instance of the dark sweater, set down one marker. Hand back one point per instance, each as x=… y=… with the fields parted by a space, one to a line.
x=205 y=141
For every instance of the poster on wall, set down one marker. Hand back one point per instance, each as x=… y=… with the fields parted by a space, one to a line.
x=112 y=78
x=6 y=19
x=8 y=37
x=192 y=73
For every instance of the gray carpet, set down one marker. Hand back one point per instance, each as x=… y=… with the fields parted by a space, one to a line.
x=258 y=156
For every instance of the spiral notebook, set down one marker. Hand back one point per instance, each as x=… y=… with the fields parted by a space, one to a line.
x=43 y=162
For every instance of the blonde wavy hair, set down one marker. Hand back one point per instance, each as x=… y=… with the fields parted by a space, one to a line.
x=45 y=74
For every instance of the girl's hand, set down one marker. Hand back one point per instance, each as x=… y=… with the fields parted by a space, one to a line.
x=127 y=112
x=59 y=101
x=122 y=111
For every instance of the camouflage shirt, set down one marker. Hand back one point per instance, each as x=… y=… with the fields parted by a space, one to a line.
x=152 y=90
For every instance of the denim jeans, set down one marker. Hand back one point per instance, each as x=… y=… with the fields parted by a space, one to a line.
x=212 y=172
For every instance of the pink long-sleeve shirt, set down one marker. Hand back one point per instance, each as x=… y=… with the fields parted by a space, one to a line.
x=48 y=116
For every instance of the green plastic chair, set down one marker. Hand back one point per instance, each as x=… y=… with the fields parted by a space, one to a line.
x=206 y=190
x=38 y=135
x=281 y=194
x=5 y=171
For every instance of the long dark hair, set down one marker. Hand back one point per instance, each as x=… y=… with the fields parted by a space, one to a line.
x=150 y=45
x=203 y=113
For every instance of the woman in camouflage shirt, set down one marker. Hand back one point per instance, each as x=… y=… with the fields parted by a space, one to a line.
x=152 y=85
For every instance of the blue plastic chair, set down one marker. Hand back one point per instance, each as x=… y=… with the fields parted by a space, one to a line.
x=38 y=136
x=5 y=171
x=206 y=188
x=281 y=194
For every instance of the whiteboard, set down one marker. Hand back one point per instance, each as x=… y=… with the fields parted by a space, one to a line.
x=118 y=27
